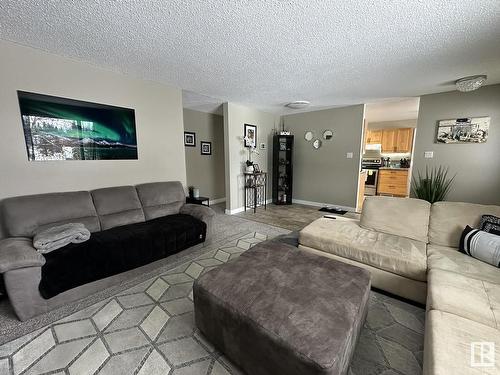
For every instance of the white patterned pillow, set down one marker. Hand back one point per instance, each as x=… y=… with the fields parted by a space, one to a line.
x=490 y=224
x=481 y=245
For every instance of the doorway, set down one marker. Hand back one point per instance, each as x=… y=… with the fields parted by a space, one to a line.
x=387 y=148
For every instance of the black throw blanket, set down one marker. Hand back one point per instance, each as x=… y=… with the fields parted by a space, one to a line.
x=117 y=250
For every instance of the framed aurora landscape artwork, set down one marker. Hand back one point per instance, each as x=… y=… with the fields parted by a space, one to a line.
x=66 y=129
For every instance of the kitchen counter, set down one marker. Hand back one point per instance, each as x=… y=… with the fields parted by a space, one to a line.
x=396 y=168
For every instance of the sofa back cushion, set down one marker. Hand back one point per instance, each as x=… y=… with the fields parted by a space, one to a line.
x=405 y=217
x=161 y=198
x=23 y=216
x=448 y=220
x=117 y=206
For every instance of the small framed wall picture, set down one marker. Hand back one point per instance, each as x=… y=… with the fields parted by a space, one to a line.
x=206 y=148
x=250 y=135
x=189 y=139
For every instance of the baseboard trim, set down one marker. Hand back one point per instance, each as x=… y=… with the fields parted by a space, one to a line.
x=235 y=211
x=319 y=204
x=241 y=209
x=218 y=200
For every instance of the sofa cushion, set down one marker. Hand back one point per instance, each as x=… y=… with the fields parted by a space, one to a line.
x=117 y=206
x=450 y=259
x=23 y=216
x=469 y=298
x=399 y=255
x=161 y=198
x=118 y=250
x=447 y=348
x=404 y=217
x=448 y=220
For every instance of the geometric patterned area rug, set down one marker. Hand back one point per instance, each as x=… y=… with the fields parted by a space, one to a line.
x=149 y=329
x=225 y=228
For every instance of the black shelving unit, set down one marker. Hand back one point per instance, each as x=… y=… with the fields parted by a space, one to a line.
x=282 y=169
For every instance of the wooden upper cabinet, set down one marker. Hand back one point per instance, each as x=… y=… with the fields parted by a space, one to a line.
x=405 y=140
x=373 y=137
x=397 y=140
x=389 y=140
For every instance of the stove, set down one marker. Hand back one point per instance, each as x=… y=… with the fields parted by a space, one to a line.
x=371 y=162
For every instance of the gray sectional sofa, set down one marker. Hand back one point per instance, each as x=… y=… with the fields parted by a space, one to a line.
x=411 y=249
x=100 y=210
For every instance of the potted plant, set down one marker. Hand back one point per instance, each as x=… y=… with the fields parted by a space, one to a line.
x=251 y=150
x=434 y=186
x=249 y=166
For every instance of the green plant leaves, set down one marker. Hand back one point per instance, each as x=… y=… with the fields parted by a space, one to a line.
x=434 y=186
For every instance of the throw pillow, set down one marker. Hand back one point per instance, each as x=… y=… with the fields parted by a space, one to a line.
x=481 y=245
x=490 y=224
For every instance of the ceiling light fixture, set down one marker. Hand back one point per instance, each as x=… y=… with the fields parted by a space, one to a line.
x=471 y=83
x=299 y=104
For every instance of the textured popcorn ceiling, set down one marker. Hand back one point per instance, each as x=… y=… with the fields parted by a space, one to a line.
x=201 y=103
x=267 y=53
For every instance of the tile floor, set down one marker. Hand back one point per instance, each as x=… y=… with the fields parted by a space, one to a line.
x=293 y=217
x=149 y=329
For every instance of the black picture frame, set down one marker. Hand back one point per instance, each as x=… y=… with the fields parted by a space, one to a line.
x=250 y=131
x=57 y=128
x=206 y=148
x=189 y=139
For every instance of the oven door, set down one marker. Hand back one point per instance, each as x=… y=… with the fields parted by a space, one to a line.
x=371 y=181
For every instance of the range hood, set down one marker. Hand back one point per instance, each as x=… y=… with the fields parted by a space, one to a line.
x=372 y=154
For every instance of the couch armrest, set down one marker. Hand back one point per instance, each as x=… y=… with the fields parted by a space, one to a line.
x=203 y=213
x=19 y=253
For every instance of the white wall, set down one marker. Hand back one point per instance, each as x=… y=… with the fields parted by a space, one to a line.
x=392 y=124
x=235 y=117
x=158 y=114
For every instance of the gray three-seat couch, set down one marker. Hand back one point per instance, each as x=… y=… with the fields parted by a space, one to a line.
x=99 y=210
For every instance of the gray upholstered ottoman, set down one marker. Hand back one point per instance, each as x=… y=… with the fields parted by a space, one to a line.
x=278 y=310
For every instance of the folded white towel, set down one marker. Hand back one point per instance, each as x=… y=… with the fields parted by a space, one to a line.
x=59 y=236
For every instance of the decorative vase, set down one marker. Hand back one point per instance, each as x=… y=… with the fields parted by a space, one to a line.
x=196 y=193
x=249 y=169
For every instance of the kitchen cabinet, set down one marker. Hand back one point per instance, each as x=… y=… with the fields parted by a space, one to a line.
x=398 y=140
x=393 y=182
x=373 y=137
x=405 y=140
x=389 y=140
